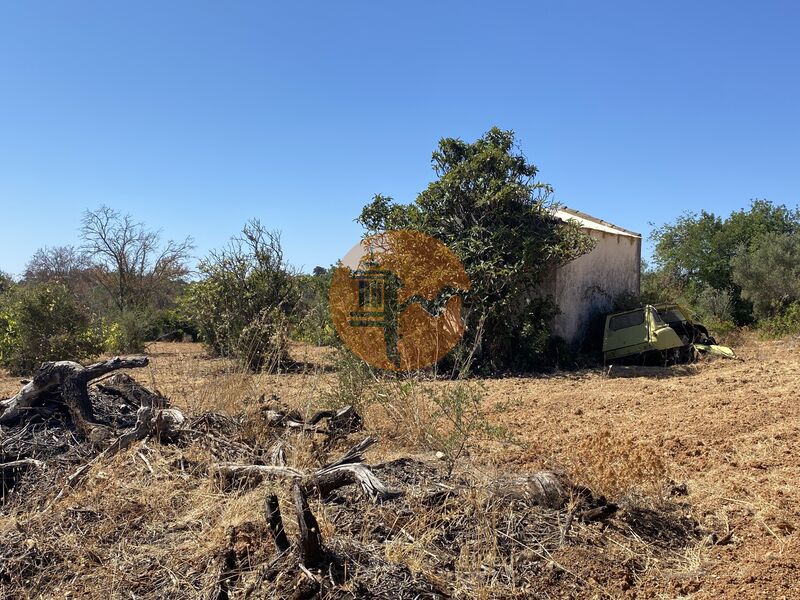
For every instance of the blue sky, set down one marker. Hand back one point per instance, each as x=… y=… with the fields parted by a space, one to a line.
x=194 y=116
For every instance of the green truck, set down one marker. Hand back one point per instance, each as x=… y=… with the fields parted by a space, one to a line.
x=657 y=333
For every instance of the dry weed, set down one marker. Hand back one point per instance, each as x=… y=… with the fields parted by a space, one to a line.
x=613 y=463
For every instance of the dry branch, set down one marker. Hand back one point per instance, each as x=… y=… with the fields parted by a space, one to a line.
x=131 y=392
x=339 y=422
x=326 y=480
x=71 y=379
x=312 y=553
x=22 y=463
x=346 y=470
x=229 y=472
x=272 y=513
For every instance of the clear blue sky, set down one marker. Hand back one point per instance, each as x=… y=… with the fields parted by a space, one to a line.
x=196 y=116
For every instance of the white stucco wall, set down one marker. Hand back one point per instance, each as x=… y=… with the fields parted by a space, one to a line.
x=591 y=282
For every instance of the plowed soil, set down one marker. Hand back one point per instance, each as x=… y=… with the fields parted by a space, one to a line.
x=729 y=430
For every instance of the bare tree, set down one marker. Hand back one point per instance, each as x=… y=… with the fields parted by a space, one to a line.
x=130 y=261
x=65 y=264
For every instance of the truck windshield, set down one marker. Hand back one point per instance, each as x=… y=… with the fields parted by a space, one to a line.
x=631 y=319
x=672 y=316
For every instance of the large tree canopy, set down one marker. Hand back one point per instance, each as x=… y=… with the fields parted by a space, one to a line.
x=487 y=206
x=697 y=250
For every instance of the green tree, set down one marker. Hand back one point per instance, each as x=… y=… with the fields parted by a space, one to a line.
x=6 y=282
x=314 y=323
x=769 y=275
x=656 y=286
x=696 y=252
x=488 y=208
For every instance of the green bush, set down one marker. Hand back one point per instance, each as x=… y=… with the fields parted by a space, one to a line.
x=128 y=332
x=537 y=349
x=44 y=322
x=172 y=325
x=769 y=274
x=242 y=304
x=713 y=305
x=314 y=324
x=787 y=323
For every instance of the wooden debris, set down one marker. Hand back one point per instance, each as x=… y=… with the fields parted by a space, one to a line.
x=312 y=553
x=543 y=488
x=71 y=379
x=23 y=463
x=339 y=422
x=272 y=513
x=346 y=470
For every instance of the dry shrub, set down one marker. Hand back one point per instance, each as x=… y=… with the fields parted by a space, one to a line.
x=130 y=532
x=443 y=417
x=614 y=463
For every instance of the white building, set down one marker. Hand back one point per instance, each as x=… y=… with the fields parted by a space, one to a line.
x=588 y=285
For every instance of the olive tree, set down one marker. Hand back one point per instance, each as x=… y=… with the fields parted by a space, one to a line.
x=769 y=275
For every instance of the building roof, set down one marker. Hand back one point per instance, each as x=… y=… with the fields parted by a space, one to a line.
x=590 y=222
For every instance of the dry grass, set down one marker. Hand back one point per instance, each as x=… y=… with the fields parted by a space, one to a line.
x=614 y=463
x=153 y=523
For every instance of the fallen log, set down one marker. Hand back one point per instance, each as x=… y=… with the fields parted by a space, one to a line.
x=543 y=488
x=346 y=470
x=71 y=380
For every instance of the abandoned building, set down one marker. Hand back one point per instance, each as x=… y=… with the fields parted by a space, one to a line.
x=588 y=285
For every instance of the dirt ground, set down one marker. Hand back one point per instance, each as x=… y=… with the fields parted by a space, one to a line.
x=724 y=434
x=730 y=431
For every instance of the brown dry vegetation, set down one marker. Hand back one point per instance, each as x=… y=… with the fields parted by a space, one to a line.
x=711 y=449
